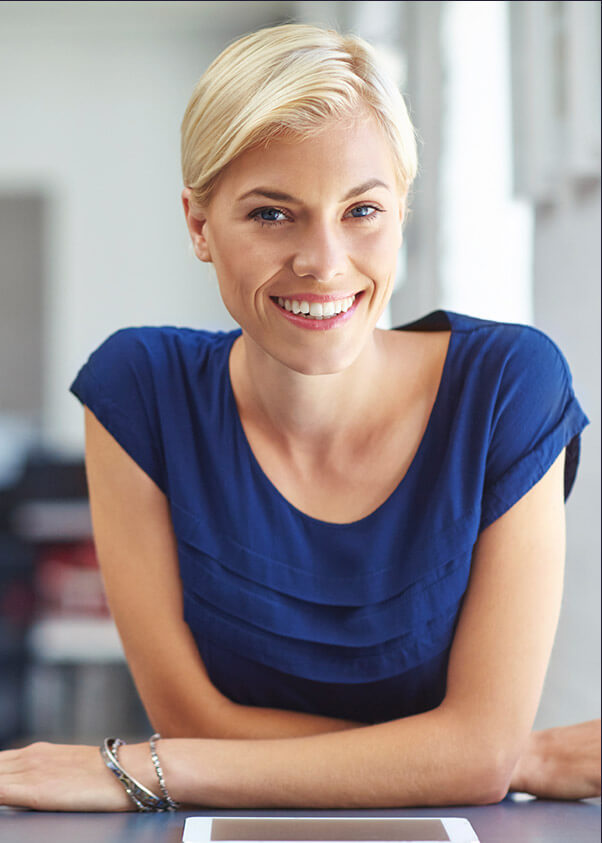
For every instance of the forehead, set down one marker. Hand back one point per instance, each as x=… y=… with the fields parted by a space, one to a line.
x=343 y=154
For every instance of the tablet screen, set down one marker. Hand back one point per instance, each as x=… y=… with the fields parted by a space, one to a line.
x=277 y=829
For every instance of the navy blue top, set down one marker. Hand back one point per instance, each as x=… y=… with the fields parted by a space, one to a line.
x=348 y=620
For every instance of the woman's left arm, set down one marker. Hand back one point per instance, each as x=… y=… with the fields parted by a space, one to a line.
x=462 y=752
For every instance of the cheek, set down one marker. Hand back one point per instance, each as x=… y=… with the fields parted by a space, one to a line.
x=249 y=261
x=375 y=254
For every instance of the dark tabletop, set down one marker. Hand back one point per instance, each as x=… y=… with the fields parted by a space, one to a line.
x=510 y=821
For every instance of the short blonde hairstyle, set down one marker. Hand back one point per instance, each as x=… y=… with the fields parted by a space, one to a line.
x=287 y=80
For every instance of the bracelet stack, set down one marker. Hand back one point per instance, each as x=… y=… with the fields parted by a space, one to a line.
x=143 y=798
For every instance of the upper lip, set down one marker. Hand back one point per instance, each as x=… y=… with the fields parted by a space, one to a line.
x=314 y=297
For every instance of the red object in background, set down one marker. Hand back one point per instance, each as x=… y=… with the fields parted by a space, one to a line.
x=68 y=580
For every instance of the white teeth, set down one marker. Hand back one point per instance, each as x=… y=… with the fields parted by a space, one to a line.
x=316 y=309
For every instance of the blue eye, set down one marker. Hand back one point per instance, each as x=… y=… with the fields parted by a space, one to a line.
x=364 y=211
x=268 y=215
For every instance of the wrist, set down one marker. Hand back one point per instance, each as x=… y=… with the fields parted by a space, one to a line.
x=136 y=760
x=147 y=790
x=177 y=770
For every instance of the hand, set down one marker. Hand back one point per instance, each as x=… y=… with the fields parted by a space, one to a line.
x=561 y=763
x=55 y=777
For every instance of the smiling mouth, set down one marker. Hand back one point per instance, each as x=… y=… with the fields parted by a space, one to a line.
x=315 y=309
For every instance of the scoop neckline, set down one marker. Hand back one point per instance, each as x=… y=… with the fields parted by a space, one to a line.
x=431 y=318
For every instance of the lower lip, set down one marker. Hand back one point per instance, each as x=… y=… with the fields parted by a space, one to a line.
x=318 y=324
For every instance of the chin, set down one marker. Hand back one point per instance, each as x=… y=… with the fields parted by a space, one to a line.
x=306 y=356
x=305 y=365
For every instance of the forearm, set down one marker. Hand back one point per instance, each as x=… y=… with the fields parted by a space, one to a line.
x=241 y=722
x=432 y=758
x=219 y=717
x=427 y=759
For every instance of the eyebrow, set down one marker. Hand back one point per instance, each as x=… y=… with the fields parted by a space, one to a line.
x=278 y=196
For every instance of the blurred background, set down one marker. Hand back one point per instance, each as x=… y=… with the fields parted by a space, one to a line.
x=505 y=224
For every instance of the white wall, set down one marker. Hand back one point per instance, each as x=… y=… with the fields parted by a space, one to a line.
x=567 y=306
x=486 y=232
x=556 y=88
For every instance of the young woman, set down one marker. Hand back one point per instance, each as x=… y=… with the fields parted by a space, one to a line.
x=334 y=553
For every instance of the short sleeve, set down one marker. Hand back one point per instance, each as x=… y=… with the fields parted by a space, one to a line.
x=536 y=415
x=118 y=384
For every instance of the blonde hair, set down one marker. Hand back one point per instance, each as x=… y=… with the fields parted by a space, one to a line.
x=287 y=80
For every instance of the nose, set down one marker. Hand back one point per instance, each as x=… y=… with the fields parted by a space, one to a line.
x=320 y=254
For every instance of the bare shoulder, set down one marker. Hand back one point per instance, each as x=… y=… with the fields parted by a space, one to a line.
x=415 y=359
x=109 y=467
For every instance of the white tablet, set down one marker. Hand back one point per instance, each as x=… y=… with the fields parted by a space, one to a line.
x=328 y=830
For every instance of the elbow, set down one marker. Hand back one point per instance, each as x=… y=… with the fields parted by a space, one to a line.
x=483 y=775
x=184 y=723
x=181 y=729
x=489 y=781
x=490 y=792
x=170 y=725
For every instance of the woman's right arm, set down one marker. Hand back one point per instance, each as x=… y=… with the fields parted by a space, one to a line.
x=137 y=553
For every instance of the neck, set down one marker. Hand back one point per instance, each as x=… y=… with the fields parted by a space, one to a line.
x=307 y=411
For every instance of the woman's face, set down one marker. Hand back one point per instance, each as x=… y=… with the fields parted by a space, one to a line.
x=306 y=225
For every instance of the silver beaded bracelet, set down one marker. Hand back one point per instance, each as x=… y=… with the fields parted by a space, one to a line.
x=143 y=798
x=172 y=805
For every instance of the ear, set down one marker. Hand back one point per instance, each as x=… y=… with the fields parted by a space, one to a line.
x=403 y=214
x=196 y=220
x=403 y=206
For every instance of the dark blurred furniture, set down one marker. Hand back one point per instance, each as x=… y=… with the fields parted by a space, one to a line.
x=63 y=675
x=16 y=606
